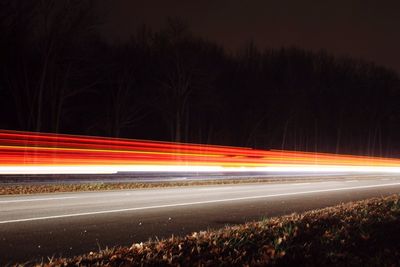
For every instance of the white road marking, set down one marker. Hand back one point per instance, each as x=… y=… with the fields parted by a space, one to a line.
x=351 y=181
x=300 y=184
x=195 y=203
x=216 y=189
x=35 y=199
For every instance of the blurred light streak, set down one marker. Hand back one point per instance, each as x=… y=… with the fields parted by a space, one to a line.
x=40 y=153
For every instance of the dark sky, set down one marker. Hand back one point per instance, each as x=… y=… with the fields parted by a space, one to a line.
x=359 y=28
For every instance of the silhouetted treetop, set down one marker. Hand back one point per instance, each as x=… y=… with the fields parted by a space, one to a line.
x=58 y=75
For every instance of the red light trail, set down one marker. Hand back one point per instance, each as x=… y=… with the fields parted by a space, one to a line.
x=40 y=153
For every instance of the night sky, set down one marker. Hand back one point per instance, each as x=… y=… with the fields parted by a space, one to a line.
x=362 y=29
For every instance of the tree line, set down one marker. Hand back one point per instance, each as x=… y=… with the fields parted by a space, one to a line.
x=58 y=75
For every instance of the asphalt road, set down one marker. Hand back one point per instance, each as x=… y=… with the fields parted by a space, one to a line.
x=36 y=226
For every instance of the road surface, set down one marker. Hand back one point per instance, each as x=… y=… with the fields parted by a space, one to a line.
x=36 y=226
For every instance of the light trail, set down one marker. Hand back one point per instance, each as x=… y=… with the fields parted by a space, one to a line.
x=40 y=153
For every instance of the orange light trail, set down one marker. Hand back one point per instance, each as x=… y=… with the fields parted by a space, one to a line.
x=40 y=153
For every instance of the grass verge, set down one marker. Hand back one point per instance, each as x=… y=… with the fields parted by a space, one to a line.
x=17 y=189
x=353 y=234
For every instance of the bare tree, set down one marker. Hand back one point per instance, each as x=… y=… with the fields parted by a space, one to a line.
x=181 y=76
x=16 y=26
x=127 y=107
x=41 y=40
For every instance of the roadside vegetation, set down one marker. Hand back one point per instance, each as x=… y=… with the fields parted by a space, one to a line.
x=17 y=189
x=353 y=234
